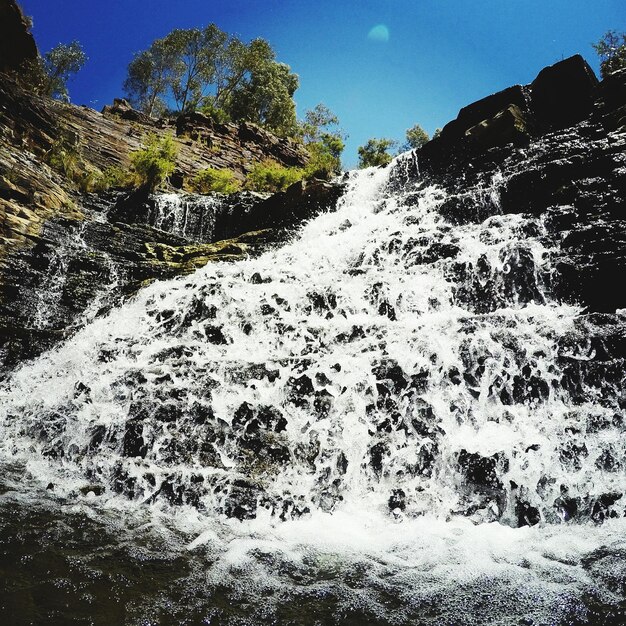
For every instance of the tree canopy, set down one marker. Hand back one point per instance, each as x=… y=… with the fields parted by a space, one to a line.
x=207 y=68
x=323 y=139
x=612 y=52
x=416 y=137
x=375 y=152
x=59 y=65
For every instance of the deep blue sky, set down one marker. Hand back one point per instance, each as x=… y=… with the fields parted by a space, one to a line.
x=440 y=54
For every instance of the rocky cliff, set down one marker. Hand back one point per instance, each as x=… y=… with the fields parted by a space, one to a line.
x=556 y=149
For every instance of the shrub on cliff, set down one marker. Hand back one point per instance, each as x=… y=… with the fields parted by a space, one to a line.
x=323 y=163
x=220 y=181
x=113 y=177
x=64 y=157
x=272 y=177
x=215 y=113
x=152 y=165
x=375 y=152
x=612 y=52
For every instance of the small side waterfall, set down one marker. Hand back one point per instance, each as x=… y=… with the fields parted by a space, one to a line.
x=203 y=218
x=196 y=219
x=53 y=303
x=390 y=409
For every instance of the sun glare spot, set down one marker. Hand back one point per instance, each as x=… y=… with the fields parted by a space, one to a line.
x=379 y=33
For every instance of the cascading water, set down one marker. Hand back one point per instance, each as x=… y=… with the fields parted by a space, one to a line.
x=382 y=412
x=202 y=218
x=176 y=215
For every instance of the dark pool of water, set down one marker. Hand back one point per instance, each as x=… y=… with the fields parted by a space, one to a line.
x=59 y=567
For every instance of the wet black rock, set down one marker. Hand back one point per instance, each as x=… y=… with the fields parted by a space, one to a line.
x=527 y=515
x=397 y=500
x=241 y=500
x=482 y=473
x=299 y=390
x=133 y=443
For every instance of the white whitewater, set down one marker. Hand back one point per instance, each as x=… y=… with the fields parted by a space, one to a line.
x=382 y=396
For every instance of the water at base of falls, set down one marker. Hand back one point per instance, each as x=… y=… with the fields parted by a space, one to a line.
x=383 y=422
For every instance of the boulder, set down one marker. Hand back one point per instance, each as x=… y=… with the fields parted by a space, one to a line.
x=509 y=126
x=16 y=43
x=592 y=258
x=122 y=108
x=613 y=90
x=485 y=109
x=299 y=202
x=563 y=93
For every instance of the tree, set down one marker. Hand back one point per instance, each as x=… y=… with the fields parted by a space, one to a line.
x=210 y=70
x=416 y=137
x=237 y=63
x=316 y=120
x=59 y=64
x=375 y=152
x=149 y=76
x=198 y=54
x=324 y=141
x=266 y=98
x=612 y=52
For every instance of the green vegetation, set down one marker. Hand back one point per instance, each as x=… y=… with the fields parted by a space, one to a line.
x=416 y=137
x=49 y=75
x=272 y=177
x=112 y=178
x=219 y=116
x=59 y=65
x=266 y=99
x=152 y=165
x=211 y=70
x=612 y=52
x=323 y=163
x=220 y=181
x=324 y=141
x=375 y=152
x=65 y=158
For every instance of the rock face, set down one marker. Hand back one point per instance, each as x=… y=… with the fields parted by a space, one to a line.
x=16 y=43
x=567 y=173
x=31 y=128
x=77 y=266
x=214 y=217
x=556 y=149
x=561 y=95
x=80 y=268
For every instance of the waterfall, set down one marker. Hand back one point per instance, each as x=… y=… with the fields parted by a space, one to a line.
x=388 y=405
x=178 y=215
